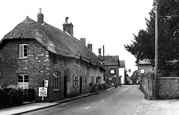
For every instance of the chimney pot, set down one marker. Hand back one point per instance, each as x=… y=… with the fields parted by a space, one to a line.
x=99 y=51
x=40 y=16
x=68 y=27
x=83 y=41
x=90 y=46
x=66 y=19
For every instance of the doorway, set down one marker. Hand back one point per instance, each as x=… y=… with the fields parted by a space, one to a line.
x=81 y=85
x=65 y=86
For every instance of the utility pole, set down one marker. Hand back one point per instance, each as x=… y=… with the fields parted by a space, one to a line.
x=156 y=50
x=104 y=77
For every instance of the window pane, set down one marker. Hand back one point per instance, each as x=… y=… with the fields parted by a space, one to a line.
x=26 y=79
x=25 y=50
x=23 y=81
x=20 y=78
x=20 y=50
x=56 y=81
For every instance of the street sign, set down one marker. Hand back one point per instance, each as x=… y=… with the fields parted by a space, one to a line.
x=42 y=92
x=142 y=71
x=45 y=83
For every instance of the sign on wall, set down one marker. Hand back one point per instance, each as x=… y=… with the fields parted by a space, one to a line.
x=142 y=71
x=42 y=92
x=45 y=83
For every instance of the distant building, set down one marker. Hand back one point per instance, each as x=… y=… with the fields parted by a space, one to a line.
x=122 y=71
x=144 y=66
x=111 y=65
x=36 y=54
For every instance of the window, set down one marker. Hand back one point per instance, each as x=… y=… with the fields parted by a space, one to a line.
x=75 y=81
x=112 y=71
x=56 y=82
x=23 y=81
x=85 y=81
x=22 y=50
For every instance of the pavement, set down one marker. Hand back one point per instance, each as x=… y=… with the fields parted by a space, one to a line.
x=29 y=107
x=158 y=107
x=25 y=108
x=147 y=107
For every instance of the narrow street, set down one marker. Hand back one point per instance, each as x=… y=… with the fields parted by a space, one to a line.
x=120 y=101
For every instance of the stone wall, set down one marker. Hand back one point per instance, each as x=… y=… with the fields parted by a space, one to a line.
x=40 y=65
x=146 y=85
x=168 y=87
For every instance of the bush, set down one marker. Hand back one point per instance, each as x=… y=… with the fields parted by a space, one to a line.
x=29 y=94
x=11 y=97
x=14 y=96
x=4 y=97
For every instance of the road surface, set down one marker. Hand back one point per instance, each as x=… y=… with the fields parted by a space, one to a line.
x=119 y=101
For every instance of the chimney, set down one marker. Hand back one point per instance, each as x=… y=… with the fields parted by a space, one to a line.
x=68 y=27
x=83 y=41
x=99 y=51
x=40 y=16
x=90 y=46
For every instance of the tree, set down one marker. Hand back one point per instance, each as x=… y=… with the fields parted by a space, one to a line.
x=143 y=45
x=127 y=79
x=135 y=76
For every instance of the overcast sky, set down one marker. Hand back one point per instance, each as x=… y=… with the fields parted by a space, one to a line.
x=103 y=22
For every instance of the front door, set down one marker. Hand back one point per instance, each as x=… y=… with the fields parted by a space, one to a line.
x=65 y=86
x=81 y=85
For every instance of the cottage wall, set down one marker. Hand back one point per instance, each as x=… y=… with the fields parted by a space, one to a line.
x=81 y=69
x=36 y=65
x=40 y=65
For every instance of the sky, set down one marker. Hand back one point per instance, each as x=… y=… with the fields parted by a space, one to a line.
x=111 y=23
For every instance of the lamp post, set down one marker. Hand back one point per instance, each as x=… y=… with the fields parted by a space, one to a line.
x=156 y=49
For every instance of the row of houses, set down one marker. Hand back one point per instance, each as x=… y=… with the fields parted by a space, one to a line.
x=40 y=56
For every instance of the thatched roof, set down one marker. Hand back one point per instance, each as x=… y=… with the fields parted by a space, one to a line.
x=111 y=60
x=53 y=39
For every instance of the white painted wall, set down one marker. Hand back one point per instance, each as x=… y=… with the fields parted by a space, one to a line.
x=121 y=73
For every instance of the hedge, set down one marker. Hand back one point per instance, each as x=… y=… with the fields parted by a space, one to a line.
x=12 y=97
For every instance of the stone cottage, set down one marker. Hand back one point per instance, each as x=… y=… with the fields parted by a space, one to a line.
x=37 y=54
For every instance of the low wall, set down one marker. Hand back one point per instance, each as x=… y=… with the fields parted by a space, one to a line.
x=146 y=85
x=168 y=87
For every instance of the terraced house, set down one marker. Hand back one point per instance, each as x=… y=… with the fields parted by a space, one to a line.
x=36 y=54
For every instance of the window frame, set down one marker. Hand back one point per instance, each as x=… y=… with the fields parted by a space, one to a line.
x=56 y=81
x=114 y=69
x=22 y=51
x=84 y=81
x=24 y=81
x=75 y=81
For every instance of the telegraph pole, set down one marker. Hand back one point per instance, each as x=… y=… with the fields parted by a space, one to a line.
x=156 y=49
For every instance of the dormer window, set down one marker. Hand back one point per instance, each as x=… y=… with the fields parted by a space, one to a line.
x=23 y=50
